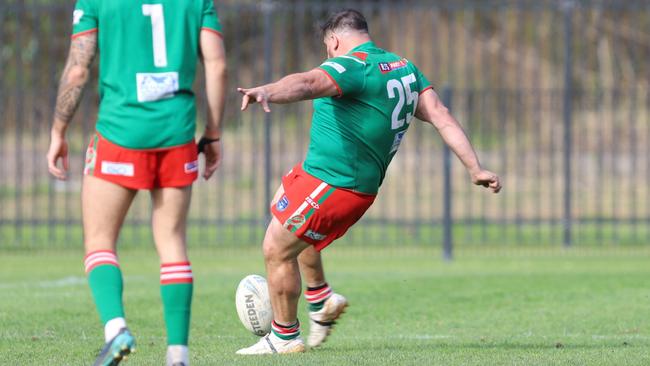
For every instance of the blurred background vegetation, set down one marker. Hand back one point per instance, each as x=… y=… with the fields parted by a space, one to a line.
x=554 y=94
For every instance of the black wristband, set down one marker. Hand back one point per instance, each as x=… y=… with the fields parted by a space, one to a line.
x=204 y=141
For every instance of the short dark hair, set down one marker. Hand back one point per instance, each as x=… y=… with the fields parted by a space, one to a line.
x=344 y=20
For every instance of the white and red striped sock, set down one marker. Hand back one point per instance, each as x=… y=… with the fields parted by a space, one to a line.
x=180 y=272
x=316 y=296
x=100 y=257
x=105 y=280
x=176 y=287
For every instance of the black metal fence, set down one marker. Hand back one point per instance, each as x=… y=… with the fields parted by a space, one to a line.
x=554 y=94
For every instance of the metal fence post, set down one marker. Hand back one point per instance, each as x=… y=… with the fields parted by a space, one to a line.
x=447 y=190
x=567 y=8
x=267 y=9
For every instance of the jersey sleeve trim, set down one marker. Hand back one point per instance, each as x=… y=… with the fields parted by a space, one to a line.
x=212 y=31
x=89 y=31
x=338 y=88
x=425 y=89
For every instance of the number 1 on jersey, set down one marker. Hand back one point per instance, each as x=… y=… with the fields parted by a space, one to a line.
x=155 y=11
x=403 y=88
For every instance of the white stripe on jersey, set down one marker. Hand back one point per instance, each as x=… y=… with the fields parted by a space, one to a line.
x=354 y=59
x=338 y=67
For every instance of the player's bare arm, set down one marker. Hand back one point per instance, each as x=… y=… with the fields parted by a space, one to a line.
x=75 y=76
x=214 y=60
x=433 y=111
x=292 y=88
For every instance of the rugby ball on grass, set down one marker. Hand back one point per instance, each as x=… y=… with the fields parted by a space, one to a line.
x=254 y=305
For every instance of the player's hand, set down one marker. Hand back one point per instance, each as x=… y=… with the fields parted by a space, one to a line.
x=254 y=95
x=213 y=153
x=487 y=179
x=58 y=151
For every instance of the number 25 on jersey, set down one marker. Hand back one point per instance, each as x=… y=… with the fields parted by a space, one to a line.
x=406 y=98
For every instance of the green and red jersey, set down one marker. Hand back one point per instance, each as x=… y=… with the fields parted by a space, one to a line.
x=355 y=135
x=148 y=52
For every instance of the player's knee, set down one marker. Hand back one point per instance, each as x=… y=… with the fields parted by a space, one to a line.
x=270 y=249
x=275 y=252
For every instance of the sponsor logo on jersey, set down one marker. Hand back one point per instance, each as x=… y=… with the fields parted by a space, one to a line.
x=282 y=204
x=296 y=221
x=386 y=67
x=156 y=86
x=76 y=16
x=113 y=168
x=313 y=203
x=314 y=235
x=192 y=166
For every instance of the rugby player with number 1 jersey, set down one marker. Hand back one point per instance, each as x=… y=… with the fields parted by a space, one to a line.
x=144 y=140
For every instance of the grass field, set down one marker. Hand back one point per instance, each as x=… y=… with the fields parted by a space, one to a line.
x=474 y=235
x=407 y=308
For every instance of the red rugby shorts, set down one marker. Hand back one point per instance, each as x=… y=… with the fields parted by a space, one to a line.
x=176 y=166
x=315 y=211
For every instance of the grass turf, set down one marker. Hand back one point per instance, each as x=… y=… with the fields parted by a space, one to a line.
x=407 y=308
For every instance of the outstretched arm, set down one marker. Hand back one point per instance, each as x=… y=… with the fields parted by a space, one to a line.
x=432 y=110
x=216 y=80
x=292 y=88
x=75 y=76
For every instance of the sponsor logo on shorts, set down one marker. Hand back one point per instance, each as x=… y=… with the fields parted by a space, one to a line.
x=386 y=67
x=313 y=203
x=282 y=204
x=113 y=168
x=192 y=167
x=296 y=221
x=314 y=235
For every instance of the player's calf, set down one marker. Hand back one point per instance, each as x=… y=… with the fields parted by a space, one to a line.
x=176 y=287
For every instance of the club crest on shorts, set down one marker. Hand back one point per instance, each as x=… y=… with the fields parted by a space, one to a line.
x=282 y=204
x=192 y=166
x=296 y=221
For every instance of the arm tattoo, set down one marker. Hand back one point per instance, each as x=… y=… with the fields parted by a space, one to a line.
x=82 y=53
